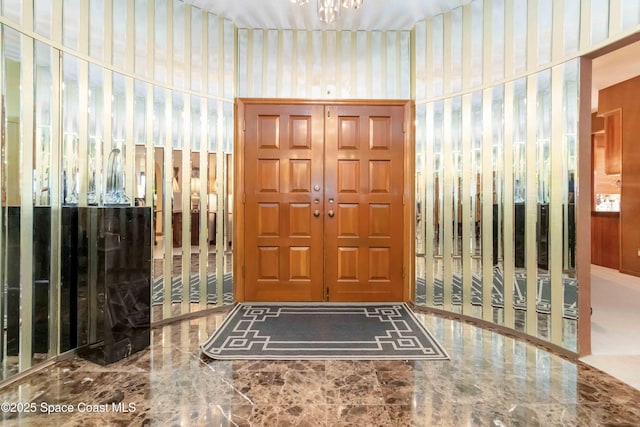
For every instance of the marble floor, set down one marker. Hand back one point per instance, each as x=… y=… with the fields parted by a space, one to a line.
x=615 y=335
x=491 y=380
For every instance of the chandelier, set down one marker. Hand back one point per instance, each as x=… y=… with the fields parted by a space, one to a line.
x=329 y=10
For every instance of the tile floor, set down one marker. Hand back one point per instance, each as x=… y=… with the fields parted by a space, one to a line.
x=491 y=380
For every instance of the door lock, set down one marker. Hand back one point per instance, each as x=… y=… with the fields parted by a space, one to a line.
x=331 y=214
x=316 y=213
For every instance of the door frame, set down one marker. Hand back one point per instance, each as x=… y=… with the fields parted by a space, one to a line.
x=408 y=199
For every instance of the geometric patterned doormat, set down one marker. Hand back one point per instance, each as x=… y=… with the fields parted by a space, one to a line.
x=330 y=331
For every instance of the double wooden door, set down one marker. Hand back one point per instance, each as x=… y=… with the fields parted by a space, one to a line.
x=323 y=192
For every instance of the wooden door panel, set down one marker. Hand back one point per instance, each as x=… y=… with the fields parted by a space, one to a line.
x=344 y=163
x=283 y=238
x=364 y=172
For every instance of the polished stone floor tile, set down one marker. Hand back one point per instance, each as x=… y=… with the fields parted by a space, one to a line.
x=490 y=379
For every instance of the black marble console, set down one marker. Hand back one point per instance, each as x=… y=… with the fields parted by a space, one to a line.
x=111 y=277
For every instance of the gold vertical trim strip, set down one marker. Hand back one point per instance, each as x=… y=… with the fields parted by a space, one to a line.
x=557 y=190
x=150 y=183
x=487 y=201
x=429 y=202
x=167 y=232
x=130 y=150
x=130 y=47
x=531 y=209
x=447 y=46
x=557 y=34
x=185 y=144
x=204 y=202
x=26 y=197
x=466 y=45
x=447 y=217
x=467 y=221
x=509 y=254
x=56 y=217
x=221 y=213
x=615 y=18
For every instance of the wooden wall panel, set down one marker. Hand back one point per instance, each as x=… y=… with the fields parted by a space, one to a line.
x=605 y=239
x=624 y=96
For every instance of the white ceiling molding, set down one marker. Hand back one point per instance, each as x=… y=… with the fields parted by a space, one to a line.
x=382 y=15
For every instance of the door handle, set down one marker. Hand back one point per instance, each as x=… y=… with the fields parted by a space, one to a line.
x=331 y=214
x=316 y=213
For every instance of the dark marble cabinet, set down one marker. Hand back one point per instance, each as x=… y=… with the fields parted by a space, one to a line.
x=106 y=281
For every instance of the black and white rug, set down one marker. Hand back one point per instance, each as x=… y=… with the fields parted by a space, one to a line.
x=307 y=331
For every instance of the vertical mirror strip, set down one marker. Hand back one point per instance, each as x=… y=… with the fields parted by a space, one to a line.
x=468 y=222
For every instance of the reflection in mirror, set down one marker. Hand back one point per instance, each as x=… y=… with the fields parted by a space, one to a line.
x=438 y=205
x=159 y=195
x=497 y=290
x=196 y=288
x=42 y=13
x=421 y=197
x=141 y=36
x=158 y=235
x=140 y=139
x=115 y=193
x=543 y=297
x=42 y=151
x=226 y=290
x=70 y=130
x=43 y=143
x=119 y=34
x=519 y=197
x=194 y=198
x=96 y=22
x=476 y=204
x=96 y=134
x=71 y=23
x=456 y=214
x=212 y=203
x=177 y=187
x=10 y=295
x=569 y=173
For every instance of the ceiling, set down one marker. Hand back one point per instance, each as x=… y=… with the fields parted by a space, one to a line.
x=614 y=67
x=283 y=14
